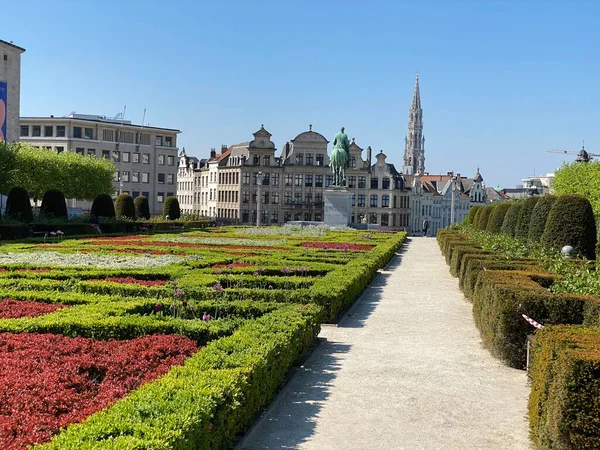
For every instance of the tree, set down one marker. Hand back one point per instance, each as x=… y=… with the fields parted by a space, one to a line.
x=538 y=217
x=124 y=206
x=8 y=163
x=18 y=205
x=103 y=206
x=54 y=204
x=171 y=208
x=496 y=219
x=579 y=178
x=571 y=222
x=511 y=218
x=142 y=208
x=522 y=229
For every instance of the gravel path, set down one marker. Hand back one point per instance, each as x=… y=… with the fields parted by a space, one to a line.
x=404 y=369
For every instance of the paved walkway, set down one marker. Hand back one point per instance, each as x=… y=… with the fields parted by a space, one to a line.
x=404 y=369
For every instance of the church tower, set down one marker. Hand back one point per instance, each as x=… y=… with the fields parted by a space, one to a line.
x=414 y=141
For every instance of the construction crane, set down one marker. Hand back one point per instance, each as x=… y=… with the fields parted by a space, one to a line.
x=582 y=155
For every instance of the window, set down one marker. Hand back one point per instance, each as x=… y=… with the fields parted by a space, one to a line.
x=385 y=183
x=60 y=149
x=353 y=200
x=274 y=217
x=145 y=177
x=145 y=158
x=37 y=131
x=265 y=197
x=374 y=183
x=246 y=179
x=298 y=179
x=300 y=159
x=308 y=198
x=89 y=133
x=116 y=156
x=361 y=200
x=48 y=130
x=91 y=152
x=287 y=198
x=319 y=160
x=135 y=194
x=318 y=217
x=160 y=197
x=60 y=131
x=146 y=194
x=136 y=158
x=245 y=197
x=24 y=130
x=77 y=132
x=307 y=216
x=168 y=141
x=159 y=141
x=309 y=159
x=170 y=161
x=373 y=200
x=126 y=157
x=170 y=178
x=353 y=161
x=266 y=160
x=79 y=150
x=318 y=180
x=266 y=179
x=328 y=180
x=135 y=177
x=108 y=135
x=116 y=176
x=361 y=182
x=318 y=198
x=372 y=218
x=125 y=176
x=352 y=181
x=287 y=216
x=288 y=179
x=161 y=160
x=308 y=180
x=161 y=178
x=385 y=201
x=275 y=179
x=256 y=160
x=275 y=198
x=298 y=198
x=106 y=154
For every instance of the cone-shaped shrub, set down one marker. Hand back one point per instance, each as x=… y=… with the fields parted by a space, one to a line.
x=124 y=206
x=511 y=218
x=471 y=216
x=103 y=206
x=171 y=208
x=18 y=205
x=571 y=222
x=54 y=204
x=485 y=216
x=496 y=219
x=142 y=208
x=522 y=230
x=476 y=217
x=538 y=217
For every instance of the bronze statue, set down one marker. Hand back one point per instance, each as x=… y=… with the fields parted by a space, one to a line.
x=340 y=158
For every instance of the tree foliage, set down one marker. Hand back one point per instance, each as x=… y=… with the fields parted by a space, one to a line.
x=18 y=205
x=171 y=208
x=54 y=204
x=579 y=178
x=538 y=217
x=103 y=206
x=522 y=229
x=8 y=162
x=511 y=218
x=142 y=207
x=124 y=206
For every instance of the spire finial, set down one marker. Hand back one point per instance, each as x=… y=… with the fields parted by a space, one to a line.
x=417 y=73
x=310 y=127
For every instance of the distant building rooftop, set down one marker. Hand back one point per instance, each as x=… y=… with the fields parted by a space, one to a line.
x=98 y=118
x=12 y=45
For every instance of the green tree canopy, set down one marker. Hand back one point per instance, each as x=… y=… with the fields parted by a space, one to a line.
x=579 y=178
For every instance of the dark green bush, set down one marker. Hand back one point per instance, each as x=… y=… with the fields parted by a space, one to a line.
x=142 y=207
x=476 y=216
x=470 y=219
x=496 y=218
x=54 y=204
x=511 y=219
x=522 y=229
x=538 y=217
x=18 y=205
x=124 y=206
x=171 y=208
x=484 y=217
x=571 y=222
x=103 y=206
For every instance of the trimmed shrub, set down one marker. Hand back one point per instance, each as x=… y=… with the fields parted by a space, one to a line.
x=538 y=217
x=103 y=206
x=142 y=207
x=54 y=204
x=171 y=208
x=484 y=216
x=18 y=205
x=470 y=219
x=522 y=229
x=476 y=217
x=511 y=219
x=124 y=206
x=496 y=218
x=571 y=222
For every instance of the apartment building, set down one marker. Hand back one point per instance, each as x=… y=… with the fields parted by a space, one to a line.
x=10 y=90
x=145 y=157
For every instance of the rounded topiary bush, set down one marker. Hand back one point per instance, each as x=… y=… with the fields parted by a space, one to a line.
x=142 y=207
x=54 y=204
x=571 y=222
x=470 y=219
x=171 y=208
x=522 y=229
x=496 y=219
x=18 y=205
x=511 y=218
x=484 y=217
x=538 y=217
x=103 y=206
x=124 y=206
x=476 y=217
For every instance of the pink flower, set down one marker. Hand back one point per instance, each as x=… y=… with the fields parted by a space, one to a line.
x=217 y=287
x=179 y=293
x=174 y=282
x=270 y=288
x=206 y=317
x=158 y=307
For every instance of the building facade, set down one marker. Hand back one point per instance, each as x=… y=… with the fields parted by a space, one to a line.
x=10 y=90
x=145 y=157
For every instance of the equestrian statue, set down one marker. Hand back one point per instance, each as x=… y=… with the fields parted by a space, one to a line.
x=340 y=158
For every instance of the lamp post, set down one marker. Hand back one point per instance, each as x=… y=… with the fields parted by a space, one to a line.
x=259 y=185
x=120 y=185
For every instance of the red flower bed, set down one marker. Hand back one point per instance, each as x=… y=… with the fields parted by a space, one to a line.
x=103 y=239
x=337 y=246
x=131 y=280
x=116 y=250
x=13 y=309
x=34 y=270
x=49 y=381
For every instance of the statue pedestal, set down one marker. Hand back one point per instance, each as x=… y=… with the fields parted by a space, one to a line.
x=338 y=207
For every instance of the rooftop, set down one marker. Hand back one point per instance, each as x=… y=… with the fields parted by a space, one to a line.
x=97 y=118
x=10 y=44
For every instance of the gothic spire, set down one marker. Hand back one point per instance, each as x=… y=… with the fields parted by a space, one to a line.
x=416 y=103
x=414 y=142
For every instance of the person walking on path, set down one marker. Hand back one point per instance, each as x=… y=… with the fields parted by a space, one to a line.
x=425 y=226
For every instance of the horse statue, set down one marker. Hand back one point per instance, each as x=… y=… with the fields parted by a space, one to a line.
x=340 y=158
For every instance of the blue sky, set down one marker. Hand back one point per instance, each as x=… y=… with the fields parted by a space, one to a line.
x=501 y=82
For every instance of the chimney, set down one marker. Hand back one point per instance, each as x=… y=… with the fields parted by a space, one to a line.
x=369 y=157
x=223 y=148
x=213 y=153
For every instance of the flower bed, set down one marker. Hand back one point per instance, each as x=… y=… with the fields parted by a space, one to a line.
x=49 y=381
x=130 y=280
x=13 y=309
x=50 y=258
x=338 y=246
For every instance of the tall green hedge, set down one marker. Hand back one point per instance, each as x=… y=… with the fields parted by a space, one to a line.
x=124 y=206
x=538 y=217
x=496 y=219
x=171 y=208
x=142 y=208
x=511 y=218
x=470 y=219
x=103 y=206
x=571 y=222
x=522 y=229
x=484 y=217
x=18 y=205
x=54 y=204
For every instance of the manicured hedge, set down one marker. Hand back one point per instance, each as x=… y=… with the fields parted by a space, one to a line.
x=476 y=217
x=18 y=205
x=484 y=217
x=511 y=219
x=142 y=207
x=171 y=208
x=470 y=219
x=496 y=218
x=539 y=215
x=522 y=229
x=54 y=204
x=103 y=206
x=124 y=206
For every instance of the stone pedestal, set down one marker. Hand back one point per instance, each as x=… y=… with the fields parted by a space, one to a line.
x=338 y=207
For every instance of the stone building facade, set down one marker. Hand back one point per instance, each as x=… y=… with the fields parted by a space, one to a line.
x=10 y=79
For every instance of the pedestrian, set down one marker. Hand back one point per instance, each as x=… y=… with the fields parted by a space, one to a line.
x=425 y=226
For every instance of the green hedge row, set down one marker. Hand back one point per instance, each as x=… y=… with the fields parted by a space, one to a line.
x=214 y=395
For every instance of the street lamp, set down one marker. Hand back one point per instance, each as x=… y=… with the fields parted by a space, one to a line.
x=120 y=185
x=259 y=185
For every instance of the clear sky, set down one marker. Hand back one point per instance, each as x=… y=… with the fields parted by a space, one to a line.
x=501 y=81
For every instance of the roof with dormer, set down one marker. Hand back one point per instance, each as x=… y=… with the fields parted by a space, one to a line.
x=260 y=137
x=310 y=136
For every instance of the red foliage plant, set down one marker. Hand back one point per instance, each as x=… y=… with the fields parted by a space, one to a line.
x=13 y=309
x=338 y=246
x=131 y=280
x=49 y=381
